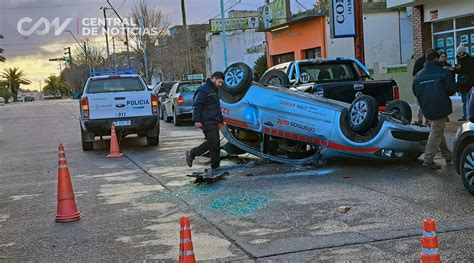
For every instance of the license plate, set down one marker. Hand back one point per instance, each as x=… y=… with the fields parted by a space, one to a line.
x=122 y=123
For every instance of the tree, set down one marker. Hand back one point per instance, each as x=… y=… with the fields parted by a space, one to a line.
x=55 y=85
x=260 y=65
x=323 y=6
x=154 y=20
x=14 y=77
x=2 y=58
x=5 y=93
x=75 y=76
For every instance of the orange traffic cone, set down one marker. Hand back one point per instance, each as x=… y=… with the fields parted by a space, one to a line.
x=186 y=254
x=429 y=242
x=66 y=209
x=114 y=146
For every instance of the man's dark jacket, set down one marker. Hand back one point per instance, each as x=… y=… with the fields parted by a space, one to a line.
x=432 y=87
x=467 y=67
x=207 y=107
x=419 y=63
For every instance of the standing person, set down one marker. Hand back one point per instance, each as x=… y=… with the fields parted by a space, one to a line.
x=443 y=60
x=465 y=71
x=419 y=63
x=207 y=116
x=432 y=87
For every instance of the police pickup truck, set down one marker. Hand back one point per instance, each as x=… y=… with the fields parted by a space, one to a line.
x=121 y=98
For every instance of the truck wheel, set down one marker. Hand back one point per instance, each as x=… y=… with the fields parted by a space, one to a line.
x=86 y=146
x=466 y=167
x=176 y=119
x=237 y=78
x=400 y=110
x=153 y=140
x=275 y=77
x=363 y=114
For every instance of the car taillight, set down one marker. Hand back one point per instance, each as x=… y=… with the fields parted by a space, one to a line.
x=180 y=100
x=396 y=93
x=85 y=108
x=154 y=104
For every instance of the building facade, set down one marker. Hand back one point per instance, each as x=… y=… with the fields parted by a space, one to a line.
x=439 y=24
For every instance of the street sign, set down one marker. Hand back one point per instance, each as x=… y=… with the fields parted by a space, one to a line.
x=68 y=60
x=342 y=17
x=232 y=24
x=196 y=77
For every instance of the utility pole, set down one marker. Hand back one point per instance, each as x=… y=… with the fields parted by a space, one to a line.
x=224 y=34
x=126 y=34
x=142 y=22
x=106 y=32
x=185 y=26
x=359 y=38
x=83 y=49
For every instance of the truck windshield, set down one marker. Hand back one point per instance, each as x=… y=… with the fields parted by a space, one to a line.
x=115 y=85
x=315 y=72
x=186 y=88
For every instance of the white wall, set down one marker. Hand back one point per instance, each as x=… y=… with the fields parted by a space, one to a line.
x=381 y=39
x=448 y=9
x=245 y=47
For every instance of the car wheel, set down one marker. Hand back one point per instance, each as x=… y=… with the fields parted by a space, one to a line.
x=152 y=141
x=467 y=167
x=166 y=118
x=237 y=78
x=400 y=110
x=176 y=119
x=275 y=77
x=232 y=149
x=86 y=146
x=363 y=114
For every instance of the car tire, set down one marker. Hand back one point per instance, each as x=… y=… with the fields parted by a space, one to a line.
x=363 y=114
x=237 y=78
x=232 y=149
x=86 y=146
x=167 y=118
x=467 y=174
x=275 y=77
x=400 y=110
x=152 y=141
x=176 y=119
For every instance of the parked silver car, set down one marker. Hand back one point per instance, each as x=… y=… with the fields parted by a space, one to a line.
x=178 y=104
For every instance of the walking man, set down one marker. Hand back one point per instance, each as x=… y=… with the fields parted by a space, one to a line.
x=207 y=116
x=432 y=87
x=419 y=64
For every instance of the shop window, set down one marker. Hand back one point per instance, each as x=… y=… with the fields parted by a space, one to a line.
x=443 y=26
x=312 y=53
x=282 y=58
x=464 y=22
x=446 y=42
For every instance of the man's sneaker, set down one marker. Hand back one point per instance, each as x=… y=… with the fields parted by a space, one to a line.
x=189 y=158
x=449 y=161
x=431 y=166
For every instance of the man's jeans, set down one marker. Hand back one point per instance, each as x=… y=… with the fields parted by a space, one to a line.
x=212 y=144
x=436 y=140
x=465 y=102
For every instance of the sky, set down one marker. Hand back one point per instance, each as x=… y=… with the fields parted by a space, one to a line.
x=31 y=52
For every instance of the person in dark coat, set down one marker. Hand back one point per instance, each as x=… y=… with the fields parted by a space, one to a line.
x=432 y=87
x=419 y=63
x=465 y=66
x=207 y=116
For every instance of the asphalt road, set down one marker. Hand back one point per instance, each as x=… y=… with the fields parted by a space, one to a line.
x=130 y=207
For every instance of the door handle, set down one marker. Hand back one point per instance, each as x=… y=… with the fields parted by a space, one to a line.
x=268 y=123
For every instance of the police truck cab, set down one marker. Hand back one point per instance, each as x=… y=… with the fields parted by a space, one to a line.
x=120 y=98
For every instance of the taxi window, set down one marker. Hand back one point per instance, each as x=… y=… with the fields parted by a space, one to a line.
x=185 y=88
x=114 y=85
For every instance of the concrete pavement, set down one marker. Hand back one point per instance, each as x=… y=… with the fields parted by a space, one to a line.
x=130 y=207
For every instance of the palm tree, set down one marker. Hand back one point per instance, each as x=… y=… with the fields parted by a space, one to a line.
x=55 y=85
x=14 y=77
